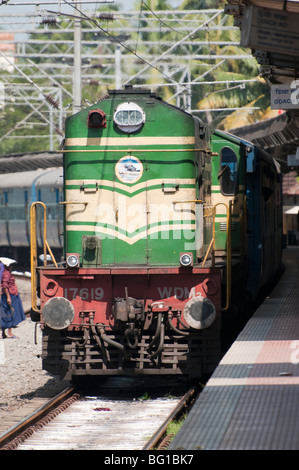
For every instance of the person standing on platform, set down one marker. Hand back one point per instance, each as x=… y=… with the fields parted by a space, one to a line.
x=11 y=304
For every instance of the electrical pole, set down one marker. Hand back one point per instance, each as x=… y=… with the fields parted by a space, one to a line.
x=118 y=78
x=77 y=62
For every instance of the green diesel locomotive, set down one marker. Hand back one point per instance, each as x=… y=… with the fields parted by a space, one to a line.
x=158 y=231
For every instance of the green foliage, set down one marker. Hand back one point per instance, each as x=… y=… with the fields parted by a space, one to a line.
x=174 y=427
x=15 y=122
x=12 y=122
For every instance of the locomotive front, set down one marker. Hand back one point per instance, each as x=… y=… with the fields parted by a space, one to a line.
x=131 y=297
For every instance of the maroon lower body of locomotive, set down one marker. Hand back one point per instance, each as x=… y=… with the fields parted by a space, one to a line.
x=127 y=321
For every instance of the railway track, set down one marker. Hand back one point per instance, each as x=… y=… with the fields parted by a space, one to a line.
x=76 y=420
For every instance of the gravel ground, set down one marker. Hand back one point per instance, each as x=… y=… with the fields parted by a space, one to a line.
x=21 y=374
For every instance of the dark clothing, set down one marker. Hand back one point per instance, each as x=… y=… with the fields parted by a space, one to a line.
x=11 y=316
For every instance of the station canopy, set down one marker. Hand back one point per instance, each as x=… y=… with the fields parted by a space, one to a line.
x=270 y=29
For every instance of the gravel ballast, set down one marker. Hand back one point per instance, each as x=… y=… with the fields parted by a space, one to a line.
x=21 y=376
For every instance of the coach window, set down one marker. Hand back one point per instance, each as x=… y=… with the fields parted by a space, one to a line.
x=228 y=171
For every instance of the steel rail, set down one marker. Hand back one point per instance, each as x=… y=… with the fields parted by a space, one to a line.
x=34 y=418
x=184 y=403
x=17 y=434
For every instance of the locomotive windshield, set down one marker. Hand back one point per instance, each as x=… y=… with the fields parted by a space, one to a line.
x=228 y=172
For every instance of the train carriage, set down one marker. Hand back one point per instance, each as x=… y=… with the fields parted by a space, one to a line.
x=17 y=192
x=248 y=180
x=155 y=235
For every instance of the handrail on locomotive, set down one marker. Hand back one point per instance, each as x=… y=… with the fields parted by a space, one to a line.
x=46 y=248
x=228 y=248
x=33 y=250
x=211 y=247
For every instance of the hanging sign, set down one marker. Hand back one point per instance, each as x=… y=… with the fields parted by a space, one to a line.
x=285 y=96
x=270 y=30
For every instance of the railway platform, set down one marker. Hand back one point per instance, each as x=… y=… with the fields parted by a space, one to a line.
x=251 y=400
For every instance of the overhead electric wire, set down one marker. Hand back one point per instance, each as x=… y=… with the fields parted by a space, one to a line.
x=174 y=46
x=118 y=41
x=148 y=64
x=159 y=19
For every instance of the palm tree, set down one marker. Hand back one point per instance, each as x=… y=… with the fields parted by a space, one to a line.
x=250 y=99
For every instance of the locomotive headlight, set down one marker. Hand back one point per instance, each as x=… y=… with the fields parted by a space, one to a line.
x=72 y=260
x=186 y=259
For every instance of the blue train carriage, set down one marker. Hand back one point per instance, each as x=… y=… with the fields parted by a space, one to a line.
x=17 y=192
x=246 y=195
x=265 y=220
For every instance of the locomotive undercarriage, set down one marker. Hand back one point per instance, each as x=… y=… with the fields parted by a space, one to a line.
x=178 y=334
x=91 y=352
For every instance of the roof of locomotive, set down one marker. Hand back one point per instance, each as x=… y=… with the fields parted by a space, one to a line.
x=150 y=104
x=251 y=146
x=129 y=90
